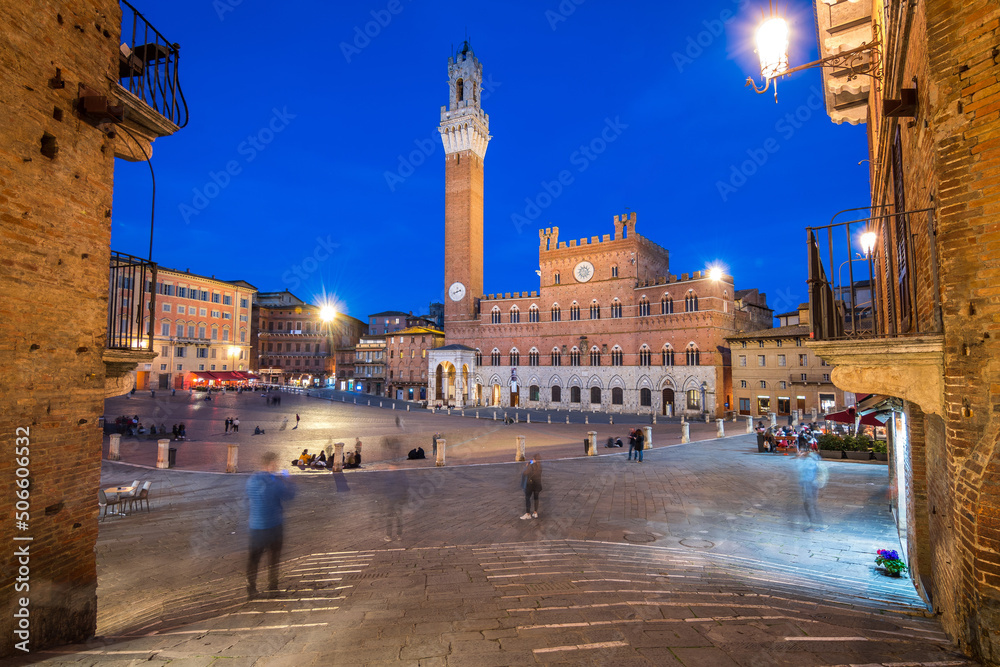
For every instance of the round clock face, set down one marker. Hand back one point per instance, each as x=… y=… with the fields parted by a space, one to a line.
x=583 y=272
x=457 y=291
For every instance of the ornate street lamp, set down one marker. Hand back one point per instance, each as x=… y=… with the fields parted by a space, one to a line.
x=772 y=48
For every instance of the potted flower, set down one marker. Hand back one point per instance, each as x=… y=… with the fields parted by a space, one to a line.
x=889 y=561
x=858 y=447
x=880 y=450
x=830 y=446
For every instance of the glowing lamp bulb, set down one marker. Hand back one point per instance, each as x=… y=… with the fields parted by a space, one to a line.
x=327 y=313
x=772 y=47
x=715 y=273
x=868 y=242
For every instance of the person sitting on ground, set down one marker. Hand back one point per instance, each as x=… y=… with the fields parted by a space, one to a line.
x=350 y=461
x=175 y=431
x=182 y=432
x=357 y=453
x=320 y=461
x=417 y=453
x=611 y=442
x=258 y=430
x=152 y=429
x=304 y=458
x=618 y=443
x=142 y=429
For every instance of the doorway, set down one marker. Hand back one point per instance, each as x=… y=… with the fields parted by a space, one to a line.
x=668 y=402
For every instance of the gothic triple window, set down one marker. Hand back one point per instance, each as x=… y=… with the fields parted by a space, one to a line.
x=692 y=357
x=555 y=357
x=533 y=314
x=617 y=357
x=667 y=356
x=515 y=357
x=533 y=357
x=515 y=315
x=691 y=302
x=495 y=315
x=666 y=305
x=645 y=357
x=595 y=310
x=574 y=357
x=643 y=307
x=479 y=357
x=556 y=313
x=595 y=356
x=616 y=309
x=574 y=312
x=495 y=357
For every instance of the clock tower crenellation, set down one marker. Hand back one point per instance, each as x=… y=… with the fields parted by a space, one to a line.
x=465 y=135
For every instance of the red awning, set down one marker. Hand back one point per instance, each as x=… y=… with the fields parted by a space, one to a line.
x=844 y=416
x=203 y=375
x=848 y=416
x=226 y=376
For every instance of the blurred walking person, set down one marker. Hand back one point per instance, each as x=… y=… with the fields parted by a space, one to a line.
x=531 y=482
x=396 y=496
x=812 y=477
x=266 y=490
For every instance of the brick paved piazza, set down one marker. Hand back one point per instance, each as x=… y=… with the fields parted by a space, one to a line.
x=697 y=556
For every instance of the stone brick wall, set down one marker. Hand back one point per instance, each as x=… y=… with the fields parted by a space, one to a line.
x=463 y=254
x=55 y=215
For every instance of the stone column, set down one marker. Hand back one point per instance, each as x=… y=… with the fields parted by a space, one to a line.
x=647 y=437
x=441 y=448
x=749 y=424
x=161 y=453
x=519 y=453
x=591 y=443
x=114 y=449
x=338 y=457
x=721 y=429
x=685 y=432
x=232 y=456
x=773 y=417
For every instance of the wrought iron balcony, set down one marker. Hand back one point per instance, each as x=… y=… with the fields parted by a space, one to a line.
x=148 y=70
x=876 y=288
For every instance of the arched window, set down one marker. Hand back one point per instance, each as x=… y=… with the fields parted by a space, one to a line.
x=574 y=312
x=667 y=356
x=645 y=356
x=532 y=357
x=495 y=357
x=616 y=356
x=555 y=358
x=533 y=392
x=595 y=356
x=479 y=357
x=556 y=313
x=574 y=357
x=643 y=307
x=515 y=315
x=691 y=302
x=557 y=394
x=515 y=357
x=595 y=310
x=645 y=397
x=616 y=309
x=595 y=395
x=693 y=399
x=459 y=90
x=495 y=315
x=556 y=278
x=533 y=313
x=614 y=271
x=763 y=384
x=692 y=357
x=574 y=394
x=666 y=305
x=617 y=396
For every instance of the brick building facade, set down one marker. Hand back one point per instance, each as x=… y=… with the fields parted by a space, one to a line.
x=932 y=349
x=293 y=345
x=406 y=361
x=610 y=328
x=774 y=371
x=62 y=82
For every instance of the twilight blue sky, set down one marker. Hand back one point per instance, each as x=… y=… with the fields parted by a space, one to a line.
x=326 y=205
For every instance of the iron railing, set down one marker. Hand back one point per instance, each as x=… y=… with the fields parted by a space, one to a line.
x=885 y=293
x=148 y=64
x=132 y=280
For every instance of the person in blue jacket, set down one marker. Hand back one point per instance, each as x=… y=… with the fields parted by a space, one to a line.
x=266 y=491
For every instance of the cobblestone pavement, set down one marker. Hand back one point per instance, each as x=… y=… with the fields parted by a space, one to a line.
x=696 y=556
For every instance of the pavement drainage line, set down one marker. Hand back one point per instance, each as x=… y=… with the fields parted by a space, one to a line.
x=716 y=619
x=581 y=647
x=249 y=629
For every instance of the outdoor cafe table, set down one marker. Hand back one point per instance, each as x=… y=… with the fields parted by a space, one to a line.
x=119 y=490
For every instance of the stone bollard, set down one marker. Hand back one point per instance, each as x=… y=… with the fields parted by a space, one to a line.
x=567 y=418
x=814 y=412
x=774 y=418
x=355 y=400
x=114 y=449
x=795 y=417
x=549 y=419
x=749 y=424
x=449 y=411
x=162 y=460
x=407 y=408
x=707 y=418
x=494 y=416
x=591 y=443
x=232 y=456
x=519 y=452
x=463 y=413
x=440 y=456
x=654 y=417
x=380 y=404
x=586 y=419
x=685 y=433
x=477 y=414
x=338 y=457
x=393 y=406
x=720 y=428
x=611 y=419
x=647 y=437
x=683 y=420
x=369 y=402
x=527 y=418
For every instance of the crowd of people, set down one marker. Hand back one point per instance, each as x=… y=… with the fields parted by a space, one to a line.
x=803 y=438
x=323 y=461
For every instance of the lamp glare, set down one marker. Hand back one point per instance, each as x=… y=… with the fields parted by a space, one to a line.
x=327 y=313
x=772 y=47
x=868 y=242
